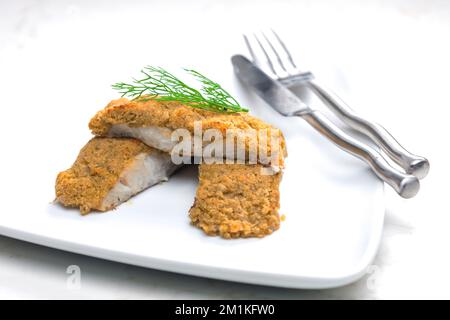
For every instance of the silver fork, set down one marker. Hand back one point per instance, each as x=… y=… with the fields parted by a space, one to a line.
x=281 y=66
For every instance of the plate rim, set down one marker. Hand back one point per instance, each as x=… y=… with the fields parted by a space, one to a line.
x=214 y=272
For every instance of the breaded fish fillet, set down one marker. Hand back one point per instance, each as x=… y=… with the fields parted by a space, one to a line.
x=153 y=122
x=109 y=171
x=235 y=200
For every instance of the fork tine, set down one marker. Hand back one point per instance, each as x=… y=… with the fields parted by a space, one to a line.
x=284 y=48
x=249 y=47
x=274 y=51
x=269 y=61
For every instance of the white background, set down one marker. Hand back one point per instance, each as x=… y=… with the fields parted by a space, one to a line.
x=389 y=59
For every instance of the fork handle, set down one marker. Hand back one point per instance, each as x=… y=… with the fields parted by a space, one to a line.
x=405 y=185
x=411 y=163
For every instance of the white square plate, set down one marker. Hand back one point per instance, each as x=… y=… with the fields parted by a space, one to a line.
x=334 y=205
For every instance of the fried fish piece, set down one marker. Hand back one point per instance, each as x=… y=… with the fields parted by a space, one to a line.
x=153 y=122
x=235 y=200
x=109 y=171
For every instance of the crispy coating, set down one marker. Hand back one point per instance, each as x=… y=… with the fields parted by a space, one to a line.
x=173 y=115
x=96 y=171
x=234 y=200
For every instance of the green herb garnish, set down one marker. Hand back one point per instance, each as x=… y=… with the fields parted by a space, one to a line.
x=161 y=85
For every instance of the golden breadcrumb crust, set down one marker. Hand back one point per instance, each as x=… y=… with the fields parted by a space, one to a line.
x=235 y=200
x=96 y=171
x=173 y=115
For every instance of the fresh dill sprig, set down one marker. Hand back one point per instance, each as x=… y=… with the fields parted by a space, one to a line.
x=161 y=85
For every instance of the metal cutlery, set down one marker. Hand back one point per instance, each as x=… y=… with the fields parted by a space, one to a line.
x=281 y=67
x=288 y=104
